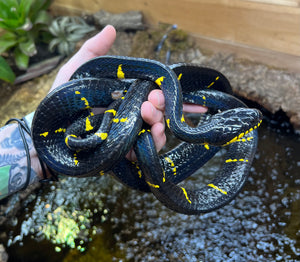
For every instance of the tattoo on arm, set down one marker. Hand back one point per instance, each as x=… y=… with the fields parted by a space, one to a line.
x=13 y=162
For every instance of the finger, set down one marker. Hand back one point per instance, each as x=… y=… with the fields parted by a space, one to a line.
x=193 y=108
x=157 y=98
x=131 y=156
x=159 y=138
x=151 y=114
x=96 y=46
x=155 y=118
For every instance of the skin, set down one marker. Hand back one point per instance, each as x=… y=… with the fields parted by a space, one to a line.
x=11 y=148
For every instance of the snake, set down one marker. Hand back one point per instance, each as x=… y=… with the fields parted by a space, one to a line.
x=71 y=140
x=220 y=191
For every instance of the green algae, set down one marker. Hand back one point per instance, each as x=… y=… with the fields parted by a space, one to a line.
x=98 y=250
x=63 y=227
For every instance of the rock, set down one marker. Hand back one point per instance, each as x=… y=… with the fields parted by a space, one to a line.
x=131 y=20
x=3 y=254
x=274 y=89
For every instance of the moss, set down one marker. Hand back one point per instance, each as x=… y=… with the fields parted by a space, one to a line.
x=145 y=43
x=179 y=40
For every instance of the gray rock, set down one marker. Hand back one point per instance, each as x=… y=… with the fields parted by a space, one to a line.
x=274 y=89
x=3 y=254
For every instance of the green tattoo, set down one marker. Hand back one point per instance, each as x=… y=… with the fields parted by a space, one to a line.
x=4 y=181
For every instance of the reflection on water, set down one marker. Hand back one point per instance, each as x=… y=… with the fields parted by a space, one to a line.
x=102 y=220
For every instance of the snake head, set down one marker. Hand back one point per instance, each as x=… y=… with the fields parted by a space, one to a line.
x=233 y=124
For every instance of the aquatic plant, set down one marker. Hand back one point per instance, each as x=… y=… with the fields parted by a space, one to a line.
x=67 y=31
x=23 y=24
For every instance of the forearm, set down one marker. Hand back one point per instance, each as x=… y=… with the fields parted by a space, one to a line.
x=13 y=161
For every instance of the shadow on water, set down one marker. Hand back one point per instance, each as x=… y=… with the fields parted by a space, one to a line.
x=97 y=219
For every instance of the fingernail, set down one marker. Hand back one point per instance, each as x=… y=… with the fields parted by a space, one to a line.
x=160 y=99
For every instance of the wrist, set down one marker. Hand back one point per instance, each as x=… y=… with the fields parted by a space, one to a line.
x=28 y=119
x=19 y=165
x=41 y=169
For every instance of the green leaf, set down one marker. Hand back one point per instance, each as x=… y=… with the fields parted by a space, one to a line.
x=53 y=44
x=43 y=18
x=7 y=41
x=28 y=47
x=10 y=24
x=8 y=9
x=13 y=14
x=16 y=13
x=37 y=6
x=25 y=6
x=22 y=60
x=6 y=73
x=26 y=26
x=54 y=28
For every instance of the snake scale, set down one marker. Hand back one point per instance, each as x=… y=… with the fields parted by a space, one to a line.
x=72 y=140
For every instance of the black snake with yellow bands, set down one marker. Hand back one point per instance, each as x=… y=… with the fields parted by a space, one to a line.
x=67 y=110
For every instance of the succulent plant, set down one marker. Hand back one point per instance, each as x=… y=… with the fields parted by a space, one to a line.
x=67 y=30
x=23 y=24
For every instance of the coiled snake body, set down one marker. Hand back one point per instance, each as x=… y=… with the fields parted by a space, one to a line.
x=71 y=140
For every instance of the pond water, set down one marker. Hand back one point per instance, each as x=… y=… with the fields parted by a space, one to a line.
x=98 y=219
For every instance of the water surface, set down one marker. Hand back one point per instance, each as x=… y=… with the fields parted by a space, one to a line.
x=98 y=219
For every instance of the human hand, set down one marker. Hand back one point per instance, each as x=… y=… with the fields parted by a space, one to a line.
x=152 y=111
